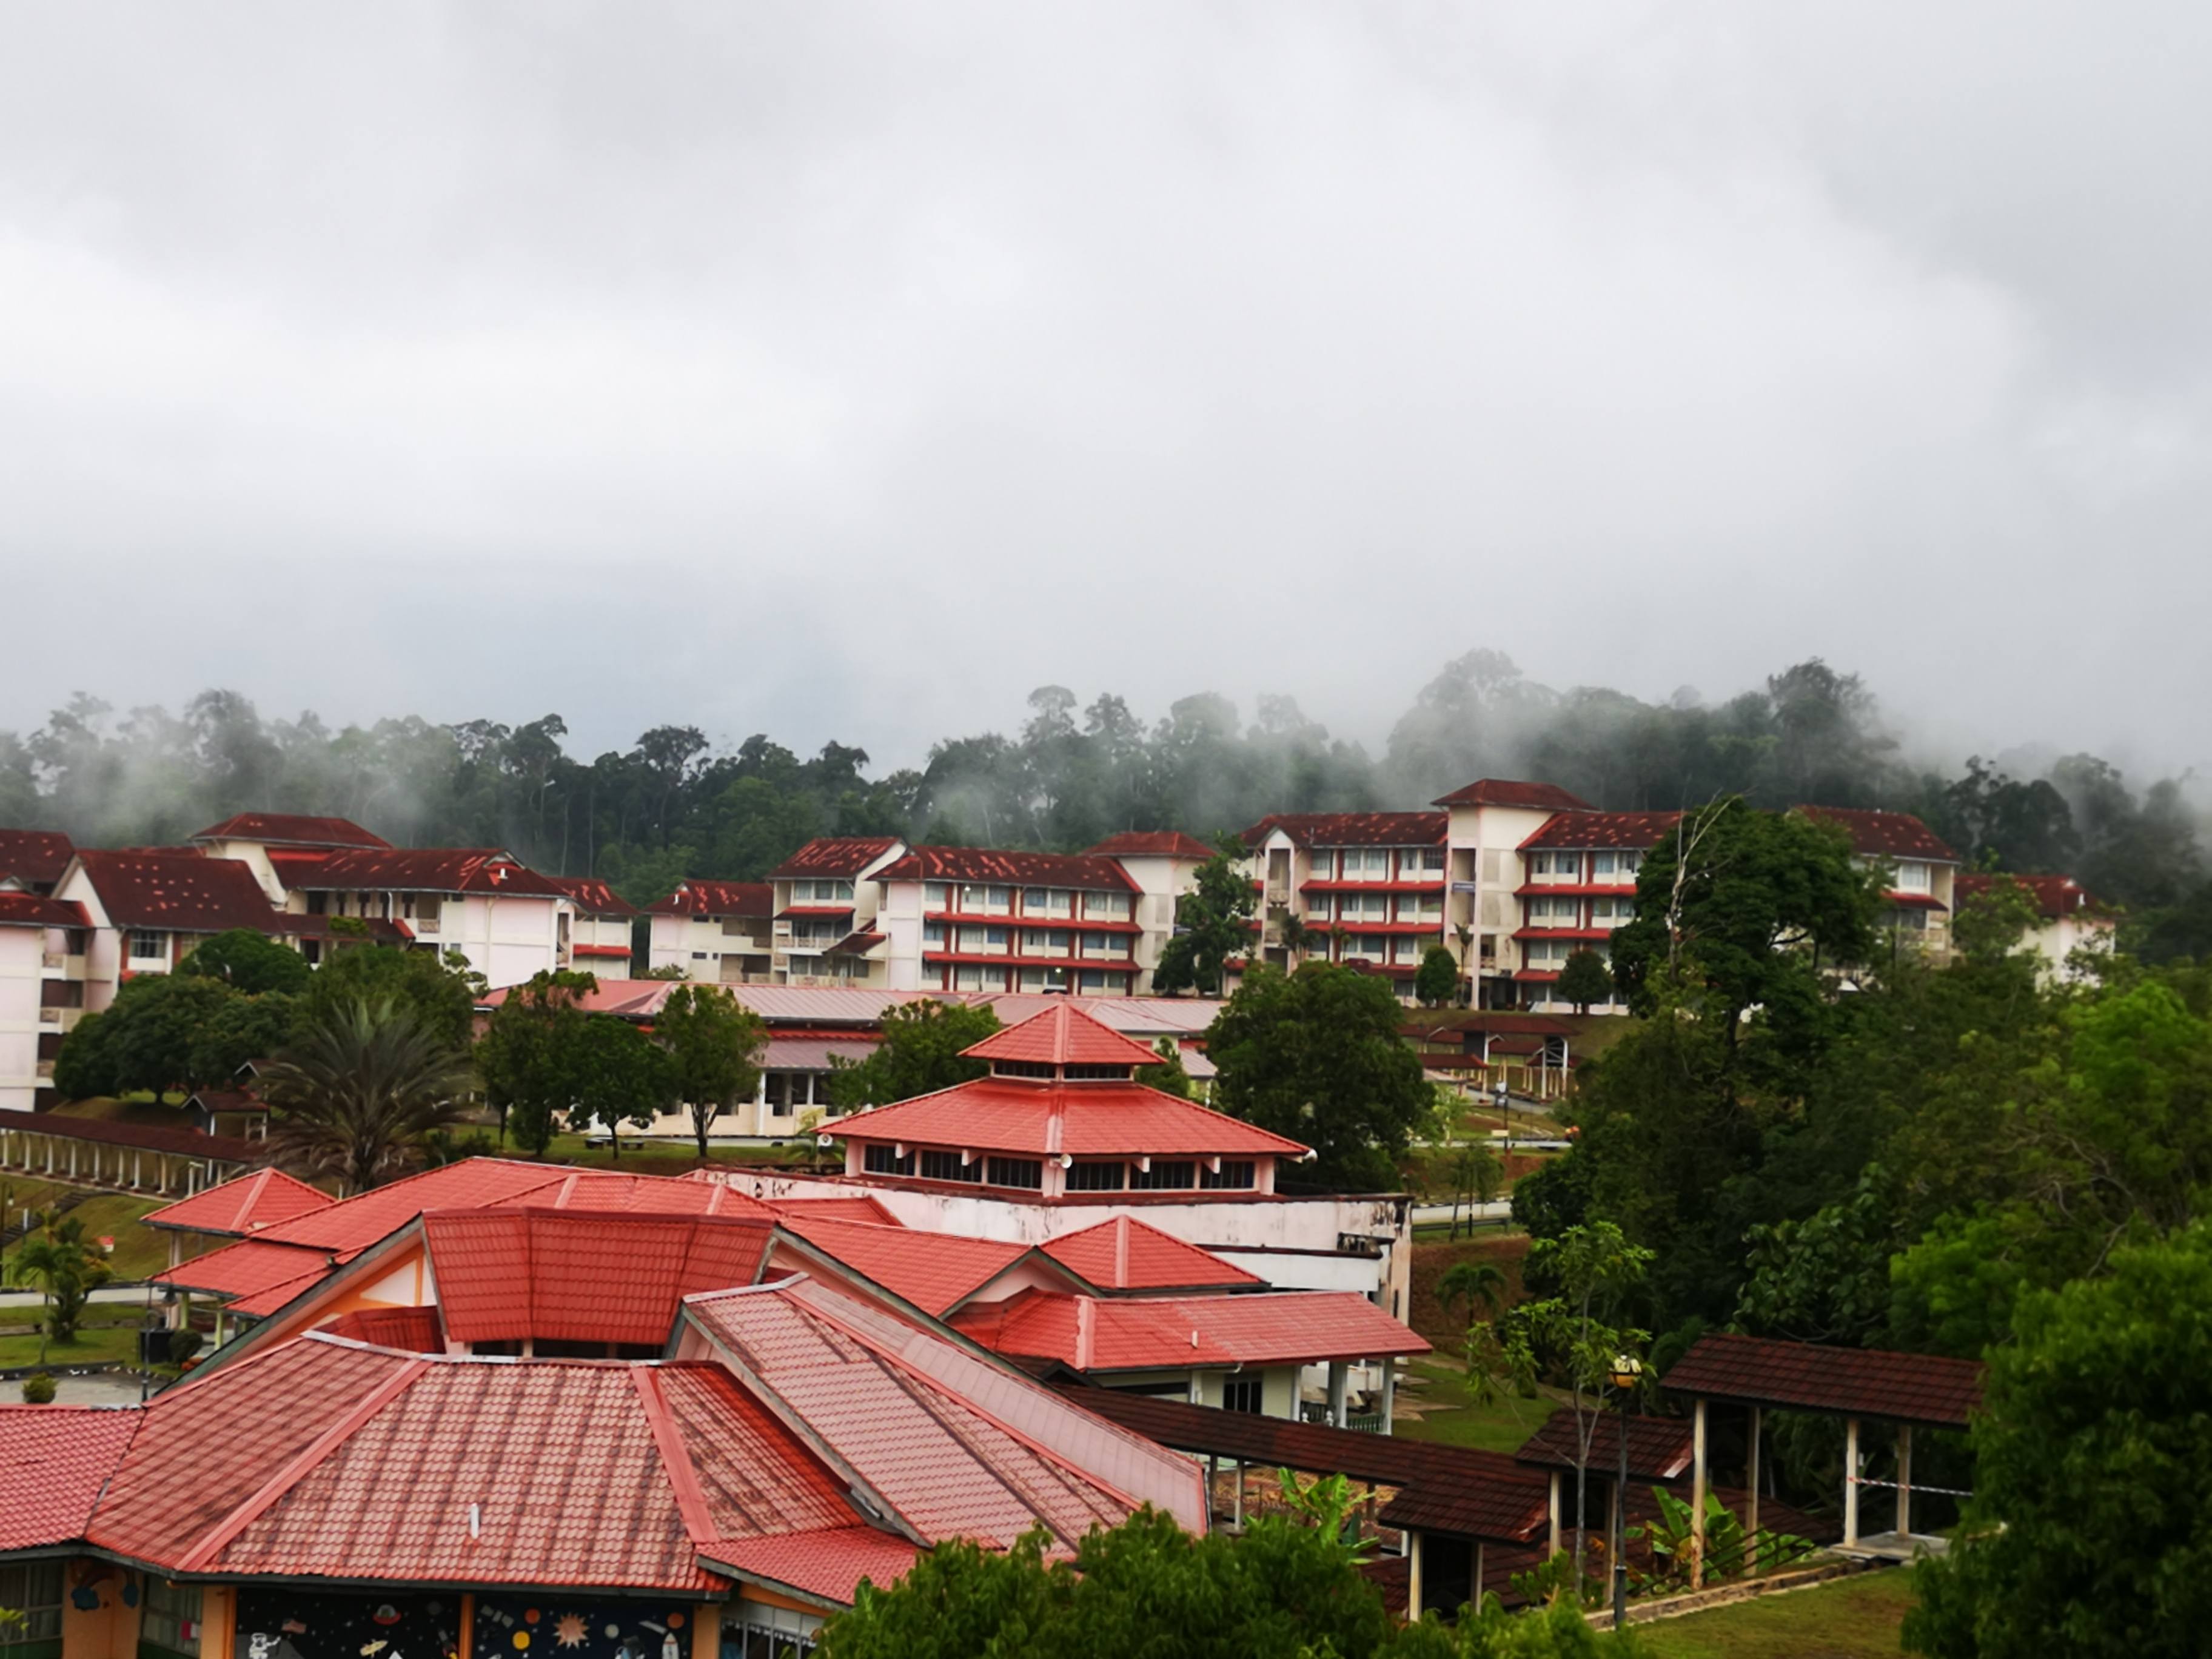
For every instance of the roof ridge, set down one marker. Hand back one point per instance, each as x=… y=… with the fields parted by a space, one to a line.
x=675 y=1457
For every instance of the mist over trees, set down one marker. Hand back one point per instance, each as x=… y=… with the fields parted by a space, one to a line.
x=672 y=805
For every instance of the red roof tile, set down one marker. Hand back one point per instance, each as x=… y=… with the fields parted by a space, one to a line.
x=53 y=1462
x=835 y=856
x=1129 y=1254
x=1883 y=834
x=572 y=1276
x=35 y=857
x=1910 y=1387
x=242 y=1206
x=1150 y=844
x=1354 y=829
x=605 y=1191
x=252 y=1267
x=716 y=898
x=826 y=1565
x=1063 y=1035
x=1604 y=831
x=593 y=897
x=421 y=870
x=354 y=1224
x=1512 y=792
x=935 y=1272
x=291 y=830
x=1152 y=1332
x=2055 y=897
x=864 y=1208
x=985 y=864
x=177 y=892
x=1085 y=1119
x=1658 y=1447
x=30 y=911
x=411 y=1330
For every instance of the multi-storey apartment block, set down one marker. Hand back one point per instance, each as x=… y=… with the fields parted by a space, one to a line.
x=42 y=944
x=968 y=919
x=826 y=898
x=599 y=931
x=713 y=930
x=1923 y=871
x=1352 y=887
x=2067 y=918
x=1579 y=885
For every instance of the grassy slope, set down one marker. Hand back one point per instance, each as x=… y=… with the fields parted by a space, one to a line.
x=1451 y=1416
x=1856 y=1618
x=92 y=1346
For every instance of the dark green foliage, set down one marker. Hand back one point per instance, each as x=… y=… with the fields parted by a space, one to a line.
x=85 y=1067
x=358 y=1091
x=242 y=1028
x=249 y=962
x=918 y=1055
x=1213 y=924
x=1316 y=1055
x=443 y=994
x=2095 y=1455
x=529 y=1058
x=1438 y=982
x=618 y=1075
x=1169 y=1076
x=167 y=1031
x=714 y=1044
x=1583 y=980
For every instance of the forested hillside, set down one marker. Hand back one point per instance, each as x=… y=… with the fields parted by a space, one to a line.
x=672 y=805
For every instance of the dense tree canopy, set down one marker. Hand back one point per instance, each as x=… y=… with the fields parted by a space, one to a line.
x=919 y=1053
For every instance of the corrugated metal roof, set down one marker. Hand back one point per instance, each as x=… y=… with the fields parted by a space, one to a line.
x=932 y=1271
x=249 y=1267
x=356 y=1223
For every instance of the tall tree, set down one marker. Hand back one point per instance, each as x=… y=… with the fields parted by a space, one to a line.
x=357 y=1091
x=1213 y=924
x=619 y=1075
x=715 y=1046
x=920 y=1053
x=249 y=962
x=530 y=1053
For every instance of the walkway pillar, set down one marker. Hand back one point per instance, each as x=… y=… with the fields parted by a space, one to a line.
x=1750 y=1510
x=1340 y=1393
x=1698 y=1485
x=1905 y=1480
x=1553 y=1548
x=1240 y=1494
x=1389 y=1393
x=1850 y=1483
x=1412 y=1577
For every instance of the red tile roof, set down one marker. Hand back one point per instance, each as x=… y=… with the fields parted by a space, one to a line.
x=1883 y=834
x=605 y=1191
x=421 y=870
x=30 y=911
x=354 y=1224
x=863 y=1207
x=2055 y=897
x=1512 y=791
x=984 y=864
x=34 y=857
x=1129 y=1254
x=1604 y=831
x=177 y=892
x=291 y=830
x=593 y=897
x=580 y=1276
x=1085 y=1119
x=935 y=1272
x=241 y=1206
x=835 y=856
x=1062 y=1036
x=1354 y=829
x=1910 y=1387
x=827 y=1567
x=716 y=898
x=251 y=1269
x=1156 y=1333
x=1658 y=1447
x=411 y=1330
x=53 y=1462
x=988 y=1452
x=1150 y=844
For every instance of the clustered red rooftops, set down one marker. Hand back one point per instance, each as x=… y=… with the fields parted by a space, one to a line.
x=34 y=857
x=1150 y=844
x=2055 y=897
x=179 y=891
x=593 y=897
x=835 y=856
x=1062 y=1036
x=32 y=910
x=419 y=869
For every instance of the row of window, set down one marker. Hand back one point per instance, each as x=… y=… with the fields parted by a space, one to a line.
x=978 y=977
x=1032 y=941
x=982 y=899
x=33 y=1591
x=1617 y=911
x=1166 y=1174
x=1375 y=907
x=821 y=891
x=1085 y=1176
x=1378 y=864
x=1570 y=867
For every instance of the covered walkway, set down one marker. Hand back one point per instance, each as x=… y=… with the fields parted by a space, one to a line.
x=128 y=1157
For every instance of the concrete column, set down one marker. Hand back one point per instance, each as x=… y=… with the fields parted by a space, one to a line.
x=1239 y=1516
x=1475 y=1601
x=1750 y=1510
x=1553 y=1548
x=1698 y=1481
x=1389 y=1393
x=1905 y=1480
x=137 y=1169
x=1850 y=1483
x=1412 y=1575
x=1340 y=1392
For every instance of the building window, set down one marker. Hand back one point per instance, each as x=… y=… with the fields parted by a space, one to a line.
x=1912 y=877
x=933 y=894
x=1317 y=907
x=932 y=933
x=879 y=1159
x=1097 y=1178
x=753 y=1630
x=149 y=947
x=1164 y=1175
x=1611 y=912
x=1242 y=1393
x=32 y=1588
x=1016 y=1172
x=1324 y=866
x=1235 y=1175
x=947 y=1166
x=968 y=977
x=1106 y=907
x=172 y=1611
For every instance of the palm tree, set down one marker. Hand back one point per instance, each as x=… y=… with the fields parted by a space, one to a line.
x=1471 y=1282
x=1297 y=938
x=360 y=1088
x=62 y=1265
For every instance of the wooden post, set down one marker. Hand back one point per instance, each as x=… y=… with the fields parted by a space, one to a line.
x=1554 y=1548
x=1212 y=1474
x=1698 y=1480
x=1750 y=1510
x=1412 y=1577
x=1240 y=1494
x=1850 y=1483
x=1474 y=1600
x=1905 y=1480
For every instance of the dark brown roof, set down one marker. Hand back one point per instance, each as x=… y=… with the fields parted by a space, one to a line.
x=33 y=910
x=1883 y=834
x=1658 y=1447
x=35 y=857
x=593 y=896
x=835 y=856
x=1604 y=831
x=1482 y=1494
x=1354 y=829
x=228 y=1149
x=1014 y=869
x=421 y=870
x=1510 y=792
x=179 y=892
x=291 y=830
x=1150 y=844
x=716 y=898
x=2054 y=896
x=1906 y=1388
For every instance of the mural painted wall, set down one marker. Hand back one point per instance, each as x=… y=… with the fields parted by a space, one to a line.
x=283 y=1624
x=554 y=1627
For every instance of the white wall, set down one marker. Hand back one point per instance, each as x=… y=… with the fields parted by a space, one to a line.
x=21 y=954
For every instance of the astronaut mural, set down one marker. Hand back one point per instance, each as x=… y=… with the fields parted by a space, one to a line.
x=549 y=1627
x=281 y=1624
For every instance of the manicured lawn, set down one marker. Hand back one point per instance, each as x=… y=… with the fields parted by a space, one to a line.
x=1450 y=1416
x=139 y=1251
x=92 y=1346
x=1854 y=1618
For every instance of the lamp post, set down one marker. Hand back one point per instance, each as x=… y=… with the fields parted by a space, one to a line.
x=1505 y=1099
x=1627 y=1370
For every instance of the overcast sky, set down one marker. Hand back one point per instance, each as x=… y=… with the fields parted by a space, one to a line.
x=848 y=371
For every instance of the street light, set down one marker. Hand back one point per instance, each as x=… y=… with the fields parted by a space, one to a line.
x=1505 y=1099
x=1627 y=1371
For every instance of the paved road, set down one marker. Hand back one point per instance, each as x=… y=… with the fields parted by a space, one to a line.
x=14 y=1298
x=1441 y=1215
